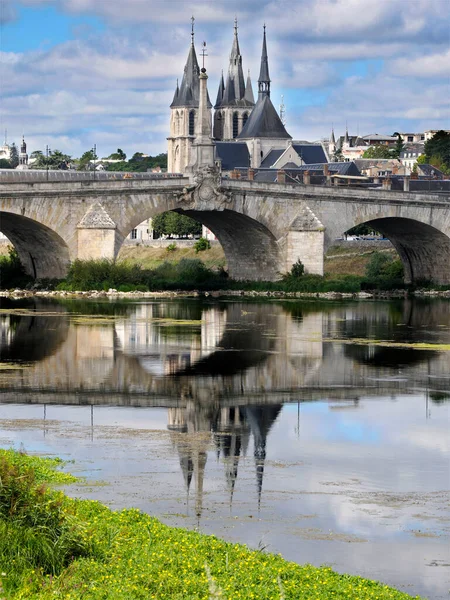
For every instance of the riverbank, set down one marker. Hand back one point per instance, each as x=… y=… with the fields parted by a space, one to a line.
x=113 y=294
x=52 y=545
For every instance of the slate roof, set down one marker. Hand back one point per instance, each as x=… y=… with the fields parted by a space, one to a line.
x=264 y=122
x=380 y=137
x=271 y=158
x=310 y=154
x=188 y=94
x=427 y=170
x=267 y=176
x=233 y=155
x=339 y=168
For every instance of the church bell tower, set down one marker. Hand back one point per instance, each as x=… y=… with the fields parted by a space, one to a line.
x=184 y=114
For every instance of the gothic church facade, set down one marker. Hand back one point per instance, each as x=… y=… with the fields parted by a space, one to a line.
x=240 y=123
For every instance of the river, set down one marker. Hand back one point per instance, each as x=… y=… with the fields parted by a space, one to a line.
x=316 y=430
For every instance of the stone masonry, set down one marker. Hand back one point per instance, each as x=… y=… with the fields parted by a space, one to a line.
x=263 y=227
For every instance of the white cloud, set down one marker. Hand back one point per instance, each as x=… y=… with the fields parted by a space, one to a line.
x=118 y=83
x=426 y=66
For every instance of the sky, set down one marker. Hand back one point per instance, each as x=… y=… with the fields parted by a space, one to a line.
x=74 y=73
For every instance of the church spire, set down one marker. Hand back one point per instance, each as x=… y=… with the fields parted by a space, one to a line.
x=235 y=86
x=220 y=92
x=332 y=138
x=346 y=140
x=249 y=90
x=189 y=91
x=264 y=78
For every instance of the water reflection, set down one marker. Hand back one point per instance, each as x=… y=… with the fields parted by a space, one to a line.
x=158 y=353
x=290 y=419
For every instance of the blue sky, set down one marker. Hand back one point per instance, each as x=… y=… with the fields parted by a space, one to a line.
x=79 y=72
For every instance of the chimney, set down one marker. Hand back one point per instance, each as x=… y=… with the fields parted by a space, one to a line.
x=281 y=176
x=251 y=174
x=406 y=183
x=387 y=183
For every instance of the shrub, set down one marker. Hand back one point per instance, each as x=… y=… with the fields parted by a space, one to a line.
x=171 y=247
x=298 y=269
x=12 y=272
x=202 y=244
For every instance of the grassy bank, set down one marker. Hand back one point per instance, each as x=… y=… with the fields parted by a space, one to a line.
x=52 y=546
x=382 y=271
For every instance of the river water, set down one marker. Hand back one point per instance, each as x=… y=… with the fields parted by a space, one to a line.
x=317 y=430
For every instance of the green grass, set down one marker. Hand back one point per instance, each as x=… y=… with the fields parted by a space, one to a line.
x=86 y=551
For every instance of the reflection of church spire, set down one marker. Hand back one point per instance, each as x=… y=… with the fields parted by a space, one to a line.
x=230 y=429
x=261 y=419
x=199 y=462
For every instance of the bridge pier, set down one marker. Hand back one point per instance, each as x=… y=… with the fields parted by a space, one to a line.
x=97 y=235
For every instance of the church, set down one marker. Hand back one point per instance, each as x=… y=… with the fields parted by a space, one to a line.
x=246 y=134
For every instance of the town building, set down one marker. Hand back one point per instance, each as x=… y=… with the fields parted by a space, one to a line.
x=410 y=154
x=5 y=150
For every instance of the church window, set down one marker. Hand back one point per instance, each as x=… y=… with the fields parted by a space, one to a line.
x=177 y=123
x=244 y=119
x=219 y=122
x=235 y=125
x=192 y=122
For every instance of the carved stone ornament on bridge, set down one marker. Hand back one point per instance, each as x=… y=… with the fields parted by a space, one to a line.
x=96 y=217
x=206 y=193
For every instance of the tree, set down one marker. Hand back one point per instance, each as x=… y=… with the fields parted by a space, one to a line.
x=119 y=155
x=5 y=164
x=439 y=146
x=338 y=156
x=84 y=163
x=171 y=223
x=399 y=145
x=422 y=160
x=56 y=160
x=14 y=156
x=379 y=151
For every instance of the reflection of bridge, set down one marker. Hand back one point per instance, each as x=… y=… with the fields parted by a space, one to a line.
x=240 y=354
x=263 y=227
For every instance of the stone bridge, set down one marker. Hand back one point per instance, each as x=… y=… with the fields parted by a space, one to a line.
x=264 y=228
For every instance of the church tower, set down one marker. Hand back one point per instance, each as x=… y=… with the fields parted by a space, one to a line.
x=234 y=99
x=184 y=114
x=264 y=130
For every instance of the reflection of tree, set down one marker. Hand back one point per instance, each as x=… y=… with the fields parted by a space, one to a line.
x=29 y=337
x=440 y=397
x=384 y=356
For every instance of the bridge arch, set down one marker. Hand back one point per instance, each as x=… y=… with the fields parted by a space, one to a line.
x=250 y=248
x=43 y=253
x=424 y=250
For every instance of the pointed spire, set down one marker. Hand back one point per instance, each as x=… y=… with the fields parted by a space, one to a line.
x=346 y=134
x=175 y=96
x=189 y=91
x=332 y=138
x=220 y=92
x=249 y=90
x=264 y=78
x=235 y=87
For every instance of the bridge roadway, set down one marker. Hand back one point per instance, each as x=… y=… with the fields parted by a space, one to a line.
x=263 y=227
x=251 y=354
